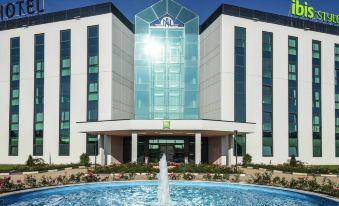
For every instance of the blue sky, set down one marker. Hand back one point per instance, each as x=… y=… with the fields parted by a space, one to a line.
x=204 y=8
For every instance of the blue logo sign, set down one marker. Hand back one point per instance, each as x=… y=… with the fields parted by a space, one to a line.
x=21 y=8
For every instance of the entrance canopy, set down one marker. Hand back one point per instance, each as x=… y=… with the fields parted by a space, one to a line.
x=165 y=127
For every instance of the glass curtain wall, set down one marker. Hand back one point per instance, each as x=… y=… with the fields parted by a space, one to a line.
x=39 y=62
x=92 y=85
x=293 y=96
x=14 y=96
x=316 y=98
x=65 y=88
x=267 y=90
x=166 y=62
x=240 y=87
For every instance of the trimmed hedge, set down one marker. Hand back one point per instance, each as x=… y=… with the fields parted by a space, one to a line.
x=39 y=168
x=179 y=168
x=300 y=168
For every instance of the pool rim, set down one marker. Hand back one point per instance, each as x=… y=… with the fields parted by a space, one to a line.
x=324 y=196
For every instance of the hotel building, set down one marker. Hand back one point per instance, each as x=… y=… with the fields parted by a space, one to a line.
x=87 y=80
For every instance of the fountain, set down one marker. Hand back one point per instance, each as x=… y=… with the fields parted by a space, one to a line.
x=163 y=190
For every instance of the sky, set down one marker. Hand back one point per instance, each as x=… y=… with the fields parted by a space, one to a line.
x=204 y=8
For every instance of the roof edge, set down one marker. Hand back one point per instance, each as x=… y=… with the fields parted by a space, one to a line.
x=68 y=14
x=267 y=17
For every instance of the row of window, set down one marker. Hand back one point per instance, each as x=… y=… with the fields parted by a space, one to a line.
x=64 y=99
x=267 y=92
x=14 y=97
x=92 y=85
x=65 y=96
x=267 y=98
x=240 y=87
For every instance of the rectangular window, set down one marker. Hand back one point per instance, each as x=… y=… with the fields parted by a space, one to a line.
x=316 y=97
x=92 y=84
x=64 y=99
x=267 y=94
x=336 y=63
x=293 y=96
x=240 y=85
x=39 y=61
x=14 y=96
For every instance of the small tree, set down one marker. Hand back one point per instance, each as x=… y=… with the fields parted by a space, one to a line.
x=247 y=159
x=30 y=161
x=293 y=161
x=84 y=159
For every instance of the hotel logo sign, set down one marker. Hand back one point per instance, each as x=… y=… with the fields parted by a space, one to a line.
x=166 y=124
x=167 y=22
x=303 y=9
x=21 y=8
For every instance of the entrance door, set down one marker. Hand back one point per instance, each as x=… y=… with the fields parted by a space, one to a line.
x=168 y=150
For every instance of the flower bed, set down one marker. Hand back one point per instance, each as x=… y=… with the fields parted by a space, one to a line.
x=7 y=185
x=174 y=168
x=300 y=168
x=327 y=186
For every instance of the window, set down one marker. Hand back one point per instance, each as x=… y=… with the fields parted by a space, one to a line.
x=240 y=75
x=39 y=57
x=14 y=97
x=267 y=94
x=293 y=96
x=316 y=97
x=336 y=90
x=93 y=84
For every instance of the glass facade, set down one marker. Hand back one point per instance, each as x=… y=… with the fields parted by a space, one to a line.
x=240 y=86
x=92 y=85
x=39 y=64
x=336 y=99
x=166 y=62
x=14 y=96
x=316 y=98
x=293 y=96
x=65 y=86
x=267 y=94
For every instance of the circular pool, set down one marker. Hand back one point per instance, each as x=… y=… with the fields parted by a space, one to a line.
x=182 y=193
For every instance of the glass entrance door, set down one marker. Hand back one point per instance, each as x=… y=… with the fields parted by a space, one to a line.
x=173 y=148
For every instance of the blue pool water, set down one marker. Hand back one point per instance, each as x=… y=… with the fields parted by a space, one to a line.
x=182 y=193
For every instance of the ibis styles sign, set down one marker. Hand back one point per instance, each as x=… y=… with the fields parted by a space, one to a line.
x=21 y=8
x=303 y=9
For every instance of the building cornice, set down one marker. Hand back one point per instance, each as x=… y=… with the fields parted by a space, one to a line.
x=255 y=15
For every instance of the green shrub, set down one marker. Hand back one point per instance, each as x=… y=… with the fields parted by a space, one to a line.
x=30 y=161
x=293 y=161
x=84 y=159
x=247 y=159
x=188 y=176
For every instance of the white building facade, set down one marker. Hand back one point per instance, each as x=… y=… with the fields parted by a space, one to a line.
x=70 y=82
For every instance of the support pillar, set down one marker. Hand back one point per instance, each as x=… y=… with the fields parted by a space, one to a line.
x=108 y=150
x=223 y=150
x=197 y=148
x=134 y=156
x=230 y=150
x=101 y=152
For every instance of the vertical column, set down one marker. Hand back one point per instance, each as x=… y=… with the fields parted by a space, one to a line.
x=101 y=151
x=230 y=150
x=108 y=149
x=197 y=148
x=134 y=156
x=223 y=150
